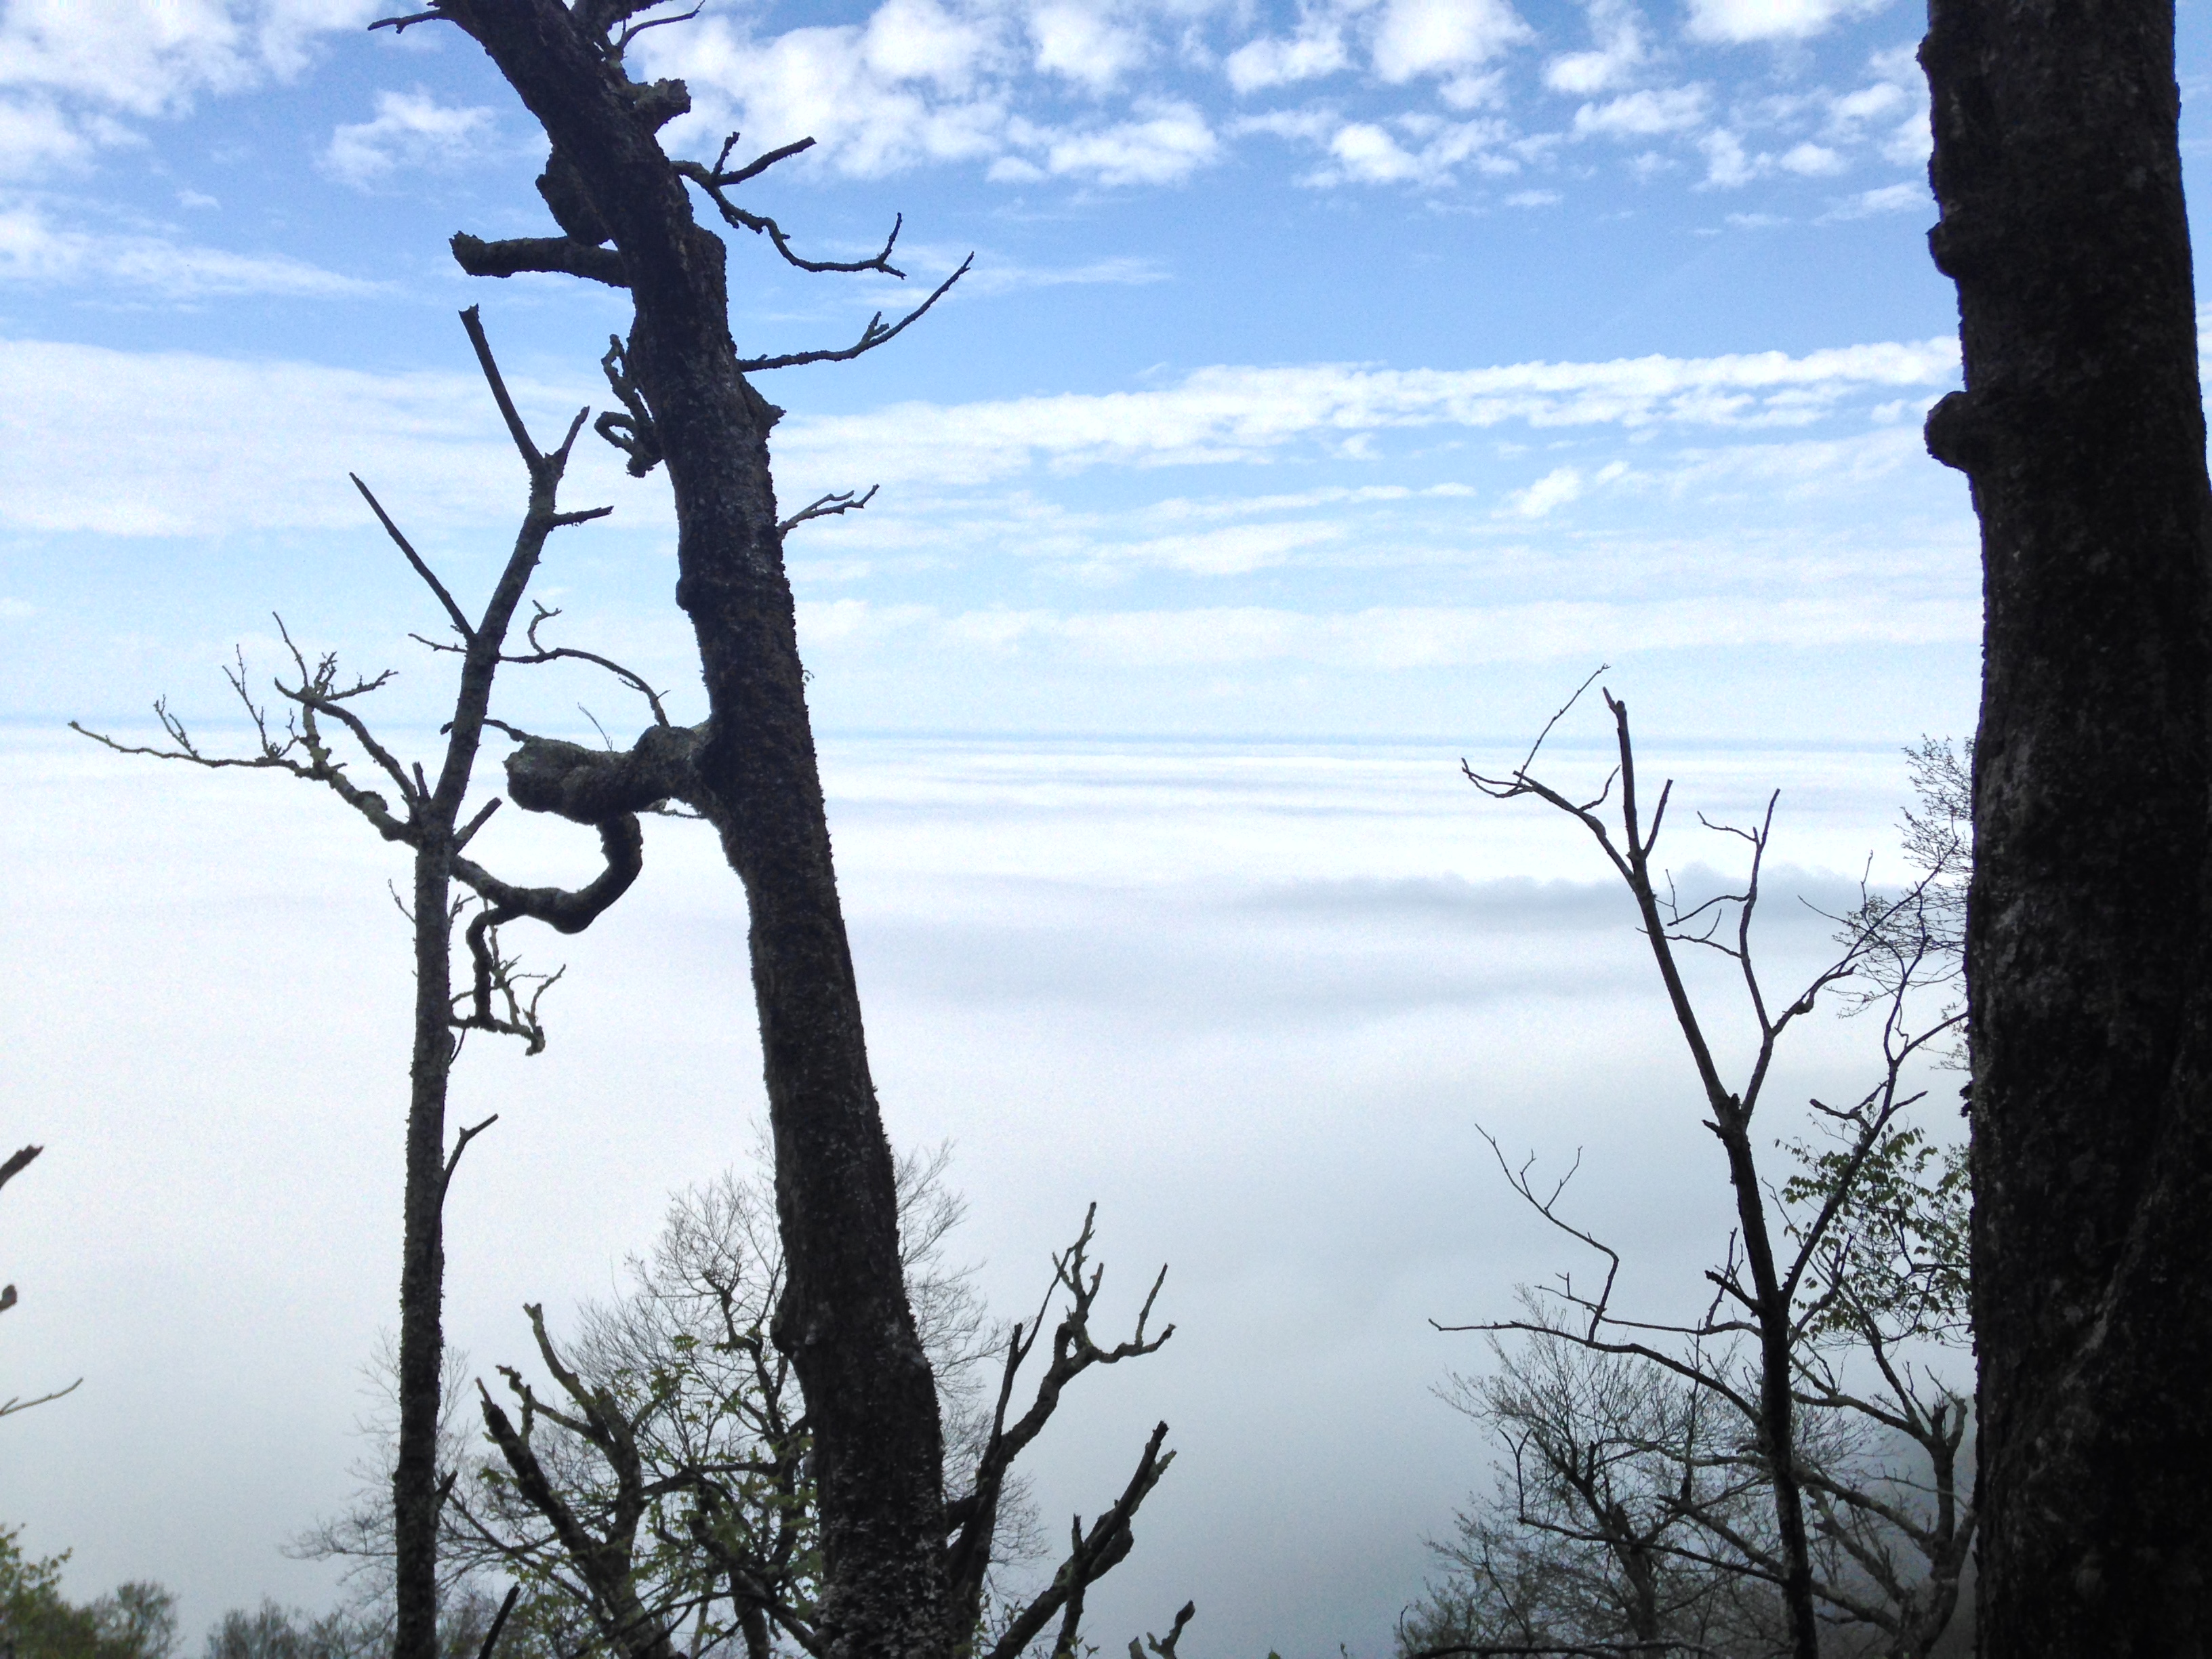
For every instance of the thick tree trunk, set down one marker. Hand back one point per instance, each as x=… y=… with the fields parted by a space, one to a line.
x=2081 y=428
x=844 y=1318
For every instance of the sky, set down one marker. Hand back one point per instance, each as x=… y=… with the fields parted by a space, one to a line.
x=1335 y=387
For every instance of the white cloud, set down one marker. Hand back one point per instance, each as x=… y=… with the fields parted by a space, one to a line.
x=1316 y=50
x=1230 y=414
x=1812 y=160
x=910 y=86
x=1169 y=142
x=1362 y=152
x=1643 y=114
x=37 y=136
x=1427 y=37
x=410 y=130
x=1233 y=550
x=1119 y=269
x=1178 y=507
x=31 y=251
x=148 y=57
x=1739 y=21
x=1727 y=164
x=1901 y=197
x=1619 y=34
x=1079 y=42
x=1392 y=637
x=1532 y=198
x=178 y=443
x=1554 y=489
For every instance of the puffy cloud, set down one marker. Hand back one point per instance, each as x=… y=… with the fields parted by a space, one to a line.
x=410 y=130
x=1554 y=489
x=1166 y=144
x=154 y=57
x=1812 y=160
x=1361 y=152
x=1429 y=37
x=1727 y=163
x=911 y=85
x=1643 y=114
x=72 y=70
x=1618 y=31
x=1739 y=21
x=1082 y=44
x=37 y=136
x=1317 y=49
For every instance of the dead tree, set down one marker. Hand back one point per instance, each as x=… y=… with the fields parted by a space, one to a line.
x=429 y=820
x=15 y=1165
x=625 y=211
x=1769 y=1295
x=2081 y=428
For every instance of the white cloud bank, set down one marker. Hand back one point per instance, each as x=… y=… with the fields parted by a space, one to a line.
x=1222 y=414
x=36 y=252
x=1393 y=637
x=171 y=443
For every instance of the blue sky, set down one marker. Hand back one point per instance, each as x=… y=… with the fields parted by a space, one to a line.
x=1331 y=368
x=1335 y=387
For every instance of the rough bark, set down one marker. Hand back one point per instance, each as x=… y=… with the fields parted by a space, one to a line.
x=2082 y=429
x=844 y=1318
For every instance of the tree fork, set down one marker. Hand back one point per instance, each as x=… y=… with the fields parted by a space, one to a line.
x=2082 y=429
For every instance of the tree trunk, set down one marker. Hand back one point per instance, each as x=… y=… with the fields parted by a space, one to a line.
x=2082 y=429
x=844 y=1318
x=414 y=1494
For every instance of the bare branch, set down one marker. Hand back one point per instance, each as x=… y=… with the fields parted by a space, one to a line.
x=875 y=334
x=462 y=625
x=461 y=1145
x=827 y=506
x=562 y=255
x=17 y=1162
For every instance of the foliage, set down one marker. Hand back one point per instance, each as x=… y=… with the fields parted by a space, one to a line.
x=1896 y=1256
x=137 y=1620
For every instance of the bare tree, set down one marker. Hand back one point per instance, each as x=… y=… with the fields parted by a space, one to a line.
x=2080 y=428
x=433 y=820
x=1796 y=1285
x=689 y=1472
x=1591 y=1538
x=666 y=1485
x=15 y=1163
x=625 y=209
